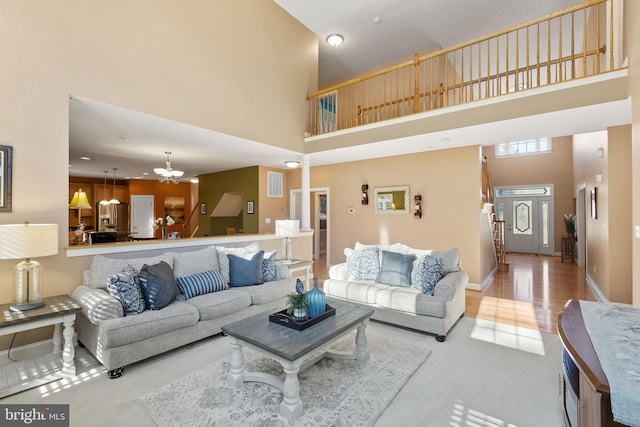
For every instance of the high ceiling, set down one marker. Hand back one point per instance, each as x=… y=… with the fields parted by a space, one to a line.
x=135 y=142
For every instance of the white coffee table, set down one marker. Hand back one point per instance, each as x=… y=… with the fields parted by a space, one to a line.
x=295 y=350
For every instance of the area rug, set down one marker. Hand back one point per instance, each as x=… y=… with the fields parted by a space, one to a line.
x=334 y=393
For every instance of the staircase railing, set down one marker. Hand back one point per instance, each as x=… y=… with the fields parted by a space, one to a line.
x=573 y=43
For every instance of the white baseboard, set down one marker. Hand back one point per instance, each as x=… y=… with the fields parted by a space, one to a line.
x=473 y=286
x=596 y=290
x=27 y=351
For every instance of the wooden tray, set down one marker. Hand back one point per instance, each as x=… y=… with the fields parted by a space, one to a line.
x=282 y=318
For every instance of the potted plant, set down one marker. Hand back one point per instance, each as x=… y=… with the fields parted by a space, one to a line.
x=297 y=304
x=570 y=224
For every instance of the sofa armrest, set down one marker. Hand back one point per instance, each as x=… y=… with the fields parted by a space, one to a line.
x=451 y=283
x=339 y=271
x=97 y=304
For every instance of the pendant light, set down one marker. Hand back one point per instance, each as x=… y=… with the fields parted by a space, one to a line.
x=104 y=200
x=114 y=201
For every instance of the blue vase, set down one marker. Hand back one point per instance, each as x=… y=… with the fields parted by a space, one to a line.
x=315 y=300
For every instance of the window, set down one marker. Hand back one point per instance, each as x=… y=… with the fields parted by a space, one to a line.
x=529 y=146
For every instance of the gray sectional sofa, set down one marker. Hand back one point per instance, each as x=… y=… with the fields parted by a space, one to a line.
x=401 y=298
x=117 y=340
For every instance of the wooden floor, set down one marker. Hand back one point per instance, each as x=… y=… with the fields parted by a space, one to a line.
x=531 y=294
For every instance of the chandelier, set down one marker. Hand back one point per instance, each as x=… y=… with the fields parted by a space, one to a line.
x=168 y=174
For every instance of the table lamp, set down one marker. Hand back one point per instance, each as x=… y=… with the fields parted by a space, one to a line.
x=80 y=201
x=28 y=241
x=287 y=228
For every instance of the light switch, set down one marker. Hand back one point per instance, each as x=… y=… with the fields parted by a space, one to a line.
x=267 y=220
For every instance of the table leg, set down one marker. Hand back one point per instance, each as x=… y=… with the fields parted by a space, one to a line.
x=291 y=406
x=362 y=352
x=57 y=338
x=69 y=353
x=236 y=370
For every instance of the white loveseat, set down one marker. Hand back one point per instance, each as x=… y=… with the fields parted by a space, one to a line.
x=406 y=305
x=117 y=340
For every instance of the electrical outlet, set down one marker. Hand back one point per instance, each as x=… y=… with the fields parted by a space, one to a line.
x=594 y=268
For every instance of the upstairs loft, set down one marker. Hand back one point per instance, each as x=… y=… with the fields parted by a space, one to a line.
x=560 y=74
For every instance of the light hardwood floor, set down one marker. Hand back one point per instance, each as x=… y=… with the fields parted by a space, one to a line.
x=531 y=294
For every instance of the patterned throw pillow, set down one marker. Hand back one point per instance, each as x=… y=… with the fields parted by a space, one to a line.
x=245 y=272
x=125 y=288
x=429 y=271
x=362 y=264
x=269 y=266
x=201 y=283
x=395 y=269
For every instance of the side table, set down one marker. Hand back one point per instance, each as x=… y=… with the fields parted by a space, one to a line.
x=59 y=311
x=298 y=265
x=566 y=243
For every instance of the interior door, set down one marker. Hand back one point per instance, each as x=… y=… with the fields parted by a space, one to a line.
x=142 y=216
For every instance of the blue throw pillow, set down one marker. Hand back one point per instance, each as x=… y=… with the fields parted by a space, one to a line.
x=428 y=271
x=269 y=266
x=362 y=264
x=245 y=272
x=395 y=269
x=125 y=288
x=158 y=285
x=201 y=283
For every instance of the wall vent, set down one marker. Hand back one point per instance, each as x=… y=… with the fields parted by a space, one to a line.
x=274 y=184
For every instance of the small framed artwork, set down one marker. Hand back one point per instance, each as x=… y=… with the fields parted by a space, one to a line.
x=203 y=208
x=594 y=203
x=250 y=207
x=6 y=166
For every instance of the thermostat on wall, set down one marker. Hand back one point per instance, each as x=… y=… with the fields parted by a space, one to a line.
x=351 y=210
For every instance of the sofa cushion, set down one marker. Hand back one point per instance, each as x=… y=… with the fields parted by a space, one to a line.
x=103 y=267
x=395 y=269
x=223 y=260
x=192 y=262
x=269 y=271
x=411 y=300
x=364 y=292
x=150 y=323
x=270 y=291
x=201 y=283
x=219 y=304
x=428 y=272
x=362 y=264
x=125 y=287
x=245 y=271
x=158 y=285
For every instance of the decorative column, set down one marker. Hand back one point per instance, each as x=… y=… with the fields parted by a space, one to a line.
x=305 y=208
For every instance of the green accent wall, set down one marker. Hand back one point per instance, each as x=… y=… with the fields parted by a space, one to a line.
x=212 y=187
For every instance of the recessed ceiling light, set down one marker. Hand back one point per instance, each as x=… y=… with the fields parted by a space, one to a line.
x=145 y=173
x=377 y=20
x=335 y=40
x=85 y=158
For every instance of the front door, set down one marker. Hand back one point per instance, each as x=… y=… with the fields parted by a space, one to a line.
x=528 y=212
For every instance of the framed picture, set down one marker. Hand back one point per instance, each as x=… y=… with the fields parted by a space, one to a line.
x=594 y=203
x=6 y=167
x=203 y=208
x=250 y=207
x=174 y=207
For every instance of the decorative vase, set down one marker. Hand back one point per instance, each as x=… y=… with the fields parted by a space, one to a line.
x=315 y=300
x=164 y=233
x=300 y=313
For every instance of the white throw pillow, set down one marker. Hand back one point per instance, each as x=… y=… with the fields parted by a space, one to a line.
x=362 y=264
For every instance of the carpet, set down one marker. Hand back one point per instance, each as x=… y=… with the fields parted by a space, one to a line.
x=334 y=393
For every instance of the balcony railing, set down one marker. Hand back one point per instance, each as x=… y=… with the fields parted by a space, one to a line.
x=574 y=43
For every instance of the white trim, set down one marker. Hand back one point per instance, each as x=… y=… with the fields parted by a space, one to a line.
x=596 y=290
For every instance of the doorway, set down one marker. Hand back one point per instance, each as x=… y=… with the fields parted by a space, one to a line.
x=528 y=212
x=320 y=221
x=142 y=211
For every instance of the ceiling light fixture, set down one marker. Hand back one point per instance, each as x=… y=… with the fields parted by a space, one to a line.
x=168 y=174
x=292 y=164
x=114 y=201
x=335 y=40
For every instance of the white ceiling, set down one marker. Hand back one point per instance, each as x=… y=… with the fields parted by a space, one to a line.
x=135 y=142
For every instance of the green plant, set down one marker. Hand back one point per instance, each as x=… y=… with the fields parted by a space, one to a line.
x=570 y=223
x=296 y=301
x=110 y=225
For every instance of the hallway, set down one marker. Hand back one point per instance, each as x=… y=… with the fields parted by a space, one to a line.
x=531 y=294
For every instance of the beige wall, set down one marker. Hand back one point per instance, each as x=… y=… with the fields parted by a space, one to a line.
x=632 y=48
x=449 y=182
x=199 y=62
x=553 y=168
x=609 y=237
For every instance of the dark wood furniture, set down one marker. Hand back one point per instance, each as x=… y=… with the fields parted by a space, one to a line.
x=593 y=400
x=567 y=244
x=294 y=350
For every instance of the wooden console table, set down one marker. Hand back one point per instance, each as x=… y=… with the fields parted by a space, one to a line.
x=594 y=403
x=25 y=374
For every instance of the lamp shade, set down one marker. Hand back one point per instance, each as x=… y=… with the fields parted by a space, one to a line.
x=20 y=241
x=79 y=200
x=287 y=227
